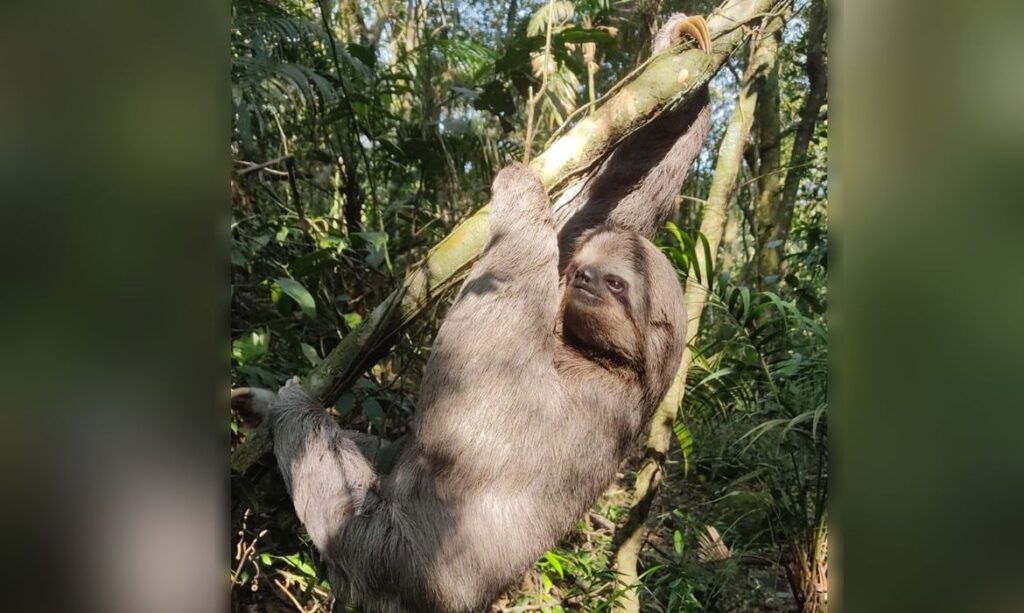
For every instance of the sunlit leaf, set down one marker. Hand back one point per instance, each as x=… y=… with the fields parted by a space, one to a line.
x=251 y=347
x=353 y=319
x=311 y=355
x=555 y=563
x=297 y=292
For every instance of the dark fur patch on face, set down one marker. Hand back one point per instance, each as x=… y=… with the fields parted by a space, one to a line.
x=605 y=306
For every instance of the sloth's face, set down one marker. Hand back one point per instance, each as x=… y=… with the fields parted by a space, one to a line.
x=605 y=292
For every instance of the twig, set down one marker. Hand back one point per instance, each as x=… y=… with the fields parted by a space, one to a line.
x=296 y=199
x=281 y=585
x=528 y=146
x=257 y=167
x=602 y=522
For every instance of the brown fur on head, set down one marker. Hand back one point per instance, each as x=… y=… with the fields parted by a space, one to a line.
x=623 y=301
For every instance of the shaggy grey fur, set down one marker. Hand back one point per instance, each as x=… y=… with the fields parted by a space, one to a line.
x=530 y=399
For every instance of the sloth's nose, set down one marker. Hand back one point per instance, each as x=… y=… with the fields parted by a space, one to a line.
x=586 y=275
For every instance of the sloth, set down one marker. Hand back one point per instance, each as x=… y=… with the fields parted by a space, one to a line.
x=533 y=393
x=562 y=341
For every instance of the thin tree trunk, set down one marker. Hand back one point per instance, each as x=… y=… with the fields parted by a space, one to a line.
x=351 y=26
x=767 y=209
x=817 y=77
x=668 y=80
x=629 y=538
x=353 y=207
x=728 y=248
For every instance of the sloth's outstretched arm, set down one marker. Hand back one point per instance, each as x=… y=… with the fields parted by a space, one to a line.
x=328 y=471
x=635 y=187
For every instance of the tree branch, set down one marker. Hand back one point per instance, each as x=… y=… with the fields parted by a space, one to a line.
x=255 y=167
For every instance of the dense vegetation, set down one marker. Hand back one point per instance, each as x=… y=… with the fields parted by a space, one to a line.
x=364 y=132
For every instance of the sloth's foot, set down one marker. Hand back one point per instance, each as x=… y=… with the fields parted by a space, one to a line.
x=680 y=25
x=292 y=395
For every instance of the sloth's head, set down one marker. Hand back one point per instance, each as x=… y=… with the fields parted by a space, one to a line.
x=623 y=300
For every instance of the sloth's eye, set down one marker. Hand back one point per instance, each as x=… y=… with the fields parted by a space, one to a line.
x=615 y=284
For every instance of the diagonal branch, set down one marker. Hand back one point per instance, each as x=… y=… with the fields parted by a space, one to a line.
x=662 y=84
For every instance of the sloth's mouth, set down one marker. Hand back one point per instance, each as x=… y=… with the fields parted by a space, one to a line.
x=585 y=291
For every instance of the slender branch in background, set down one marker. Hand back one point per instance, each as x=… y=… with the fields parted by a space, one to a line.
x=630 y=538
x=351 y=114
x=294 y=189
x=251 y=168
x=666 y=81
x=590 y=60
x=545 y=62
x=530 y=107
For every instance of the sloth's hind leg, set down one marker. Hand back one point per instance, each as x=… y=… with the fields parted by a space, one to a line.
x=325 y=469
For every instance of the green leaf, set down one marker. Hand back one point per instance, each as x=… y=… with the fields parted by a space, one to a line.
x=297 y=292
x=353 y=320
x=337 y=242
x=364 y=54
x=558 y=12
x=677 y=541
x=315 y=261
x=709 y=261
x=376 y=247
x=555 y=563
x=373 y=411
x=295 y=562
x=310 y=353
x=259 y=377
x=345 y=404
x=685 y=443
x=574 y=35
x=674 y=230
x=251 y=347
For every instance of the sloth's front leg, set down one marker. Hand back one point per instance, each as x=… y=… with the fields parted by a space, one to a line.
x=521 y=228
x=511 y=293
x=521 y=248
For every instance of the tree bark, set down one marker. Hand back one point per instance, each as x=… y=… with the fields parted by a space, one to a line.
x=665 y=82
x=350 y=22
x=817 y=92
x=629 y=539
x=727 y=263
x=767 y=209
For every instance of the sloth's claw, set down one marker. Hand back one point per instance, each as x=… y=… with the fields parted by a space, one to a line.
x=697 y=28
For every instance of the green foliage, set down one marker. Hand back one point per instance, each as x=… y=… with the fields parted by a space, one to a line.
x=756 y=410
